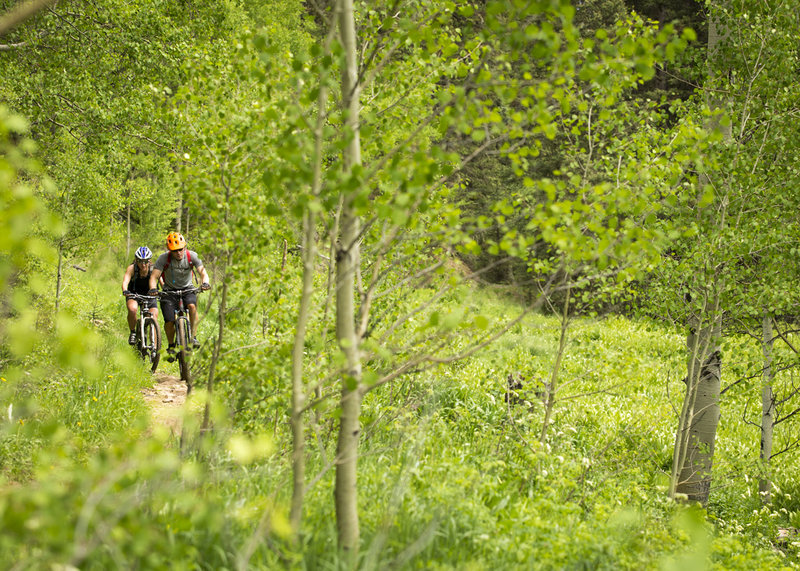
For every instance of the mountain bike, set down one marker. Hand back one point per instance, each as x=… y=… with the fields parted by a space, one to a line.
x=183 y=331
x=148 y=335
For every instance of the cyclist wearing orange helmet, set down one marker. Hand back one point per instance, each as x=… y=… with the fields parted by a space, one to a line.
x=177 y=266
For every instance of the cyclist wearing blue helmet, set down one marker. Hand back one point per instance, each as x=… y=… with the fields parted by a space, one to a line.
x=137 y=280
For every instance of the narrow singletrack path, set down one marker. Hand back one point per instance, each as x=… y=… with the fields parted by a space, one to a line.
x=165 y=399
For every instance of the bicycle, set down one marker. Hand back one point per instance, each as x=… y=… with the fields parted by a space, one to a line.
x=183 y=330
x=148 y=334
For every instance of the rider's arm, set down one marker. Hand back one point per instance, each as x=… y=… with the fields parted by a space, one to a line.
x=127 y=279
x=154 y=275
x=203 y=275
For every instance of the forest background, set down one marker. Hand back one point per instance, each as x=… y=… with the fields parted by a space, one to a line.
x=495 y=284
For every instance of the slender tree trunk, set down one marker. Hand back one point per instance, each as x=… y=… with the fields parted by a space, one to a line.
x=59 y=272
x=212 y=368
x=222 y=313
x=767 y=412
x=309 y=253
x=128 y=242
x=179 y=213
x=552 y=387
x=347 y=257
x=298 y=388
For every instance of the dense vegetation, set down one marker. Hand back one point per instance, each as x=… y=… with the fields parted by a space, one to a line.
x=495 y=284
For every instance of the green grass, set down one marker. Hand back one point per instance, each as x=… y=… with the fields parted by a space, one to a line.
x=450 y=475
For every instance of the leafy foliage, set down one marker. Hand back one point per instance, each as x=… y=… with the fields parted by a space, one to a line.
x=139 y=106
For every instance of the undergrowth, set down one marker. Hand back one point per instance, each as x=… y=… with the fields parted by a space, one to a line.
x=453 y=473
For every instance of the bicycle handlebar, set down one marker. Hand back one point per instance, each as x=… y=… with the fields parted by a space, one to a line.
x=180 y=291
x=139 y=296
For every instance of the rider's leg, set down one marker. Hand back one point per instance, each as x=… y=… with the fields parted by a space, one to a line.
x=169 y=328
x=168 y=311
x=193 y=318
x=193 y=321
x=132 y=307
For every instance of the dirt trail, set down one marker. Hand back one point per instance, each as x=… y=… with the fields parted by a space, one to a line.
x=165 y=399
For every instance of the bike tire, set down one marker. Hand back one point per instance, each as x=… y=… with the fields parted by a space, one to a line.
x=182 y=332
x=152 y=342
x=183 y=365
x=141 y=340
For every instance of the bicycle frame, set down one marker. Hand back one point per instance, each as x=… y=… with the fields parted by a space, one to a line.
x=183 y=329
x=148 y=334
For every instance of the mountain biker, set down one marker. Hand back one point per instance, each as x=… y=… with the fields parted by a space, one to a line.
x=175 y=267
x=137 y=280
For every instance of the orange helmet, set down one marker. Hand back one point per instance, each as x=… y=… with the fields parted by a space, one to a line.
x=175 y=241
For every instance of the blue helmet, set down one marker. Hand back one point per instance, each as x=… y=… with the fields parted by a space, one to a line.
x=144 y=253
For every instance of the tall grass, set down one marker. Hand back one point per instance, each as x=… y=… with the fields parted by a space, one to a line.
x=451 y=474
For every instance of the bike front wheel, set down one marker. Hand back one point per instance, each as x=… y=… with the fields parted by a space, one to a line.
x=151 y=347
x=182 y=332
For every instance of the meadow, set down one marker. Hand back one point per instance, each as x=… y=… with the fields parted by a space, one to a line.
x=453 y=470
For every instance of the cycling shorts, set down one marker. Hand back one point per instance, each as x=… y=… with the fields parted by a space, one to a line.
x=169 y=303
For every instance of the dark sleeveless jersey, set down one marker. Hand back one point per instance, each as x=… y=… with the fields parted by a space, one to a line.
x=139 y=283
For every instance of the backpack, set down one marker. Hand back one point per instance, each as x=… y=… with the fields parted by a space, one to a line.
x=188 y=259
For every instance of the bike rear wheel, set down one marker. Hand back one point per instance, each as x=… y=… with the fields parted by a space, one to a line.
x=151 y=347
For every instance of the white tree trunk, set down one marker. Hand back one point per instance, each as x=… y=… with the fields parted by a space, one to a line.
x=347 y=259
x=694 y=439
x=698 y=432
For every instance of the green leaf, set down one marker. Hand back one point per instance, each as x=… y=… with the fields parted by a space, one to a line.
x=481 y=322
